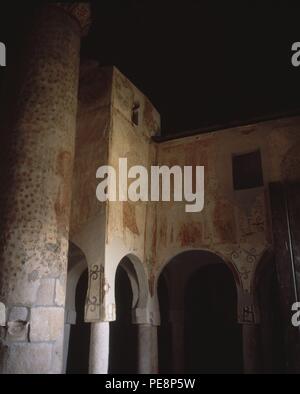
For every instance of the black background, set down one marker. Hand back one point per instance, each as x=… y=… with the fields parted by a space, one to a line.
x=201 y=63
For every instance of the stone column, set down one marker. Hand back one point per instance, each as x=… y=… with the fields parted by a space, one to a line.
x=147 y=349
x=251 y=348
x=154 y=368
x=37 y=150
x=99 y=348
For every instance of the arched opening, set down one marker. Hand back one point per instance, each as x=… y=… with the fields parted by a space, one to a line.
x=79 y=343
x=199 y=316
x=123 y=334
x=212 y=335
x=272 y=352
x=77 y=332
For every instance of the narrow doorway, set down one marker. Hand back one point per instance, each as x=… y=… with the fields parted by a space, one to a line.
x=123 y=334
x=79 y=343
x=199 y=330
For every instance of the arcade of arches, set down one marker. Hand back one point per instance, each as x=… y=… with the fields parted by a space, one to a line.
x=138 y=287
x=199 y=330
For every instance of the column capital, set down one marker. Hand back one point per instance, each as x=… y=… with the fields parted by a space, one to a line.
x=81 y=11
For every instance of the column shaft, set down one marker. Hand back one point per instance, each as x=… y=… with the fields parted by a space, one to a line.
x=35 y=197
x=147 y=349
x=99 y=348
x=154 y=367
x=251 y=348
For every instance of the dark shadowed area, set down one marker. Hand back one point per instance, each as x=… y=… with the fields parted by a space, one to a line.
x=202 y=63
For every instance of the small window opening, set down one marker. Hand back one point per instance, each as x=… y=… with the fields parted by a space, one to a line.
x=247 y=171
x=135 y=114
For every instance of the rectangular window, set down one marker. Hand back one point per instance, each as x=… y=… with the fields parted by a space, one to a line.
x=247 y=171
x=135 y=116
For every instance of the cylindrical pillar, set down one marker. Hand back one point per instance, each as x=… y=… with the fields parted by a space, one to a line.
x=147 y=349
x=154 y=368
x=99 y=348
x=144 y=348
x=251 y=348
x=36 y=164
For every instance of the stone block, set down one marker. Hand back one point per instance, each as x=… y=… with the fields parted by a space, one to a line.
x=46 y=324
x=59 y=293
x=24 y=292
x=17 y=331
x=18 y=313
x=57 y=354
x=24 y=358
x=45 y=294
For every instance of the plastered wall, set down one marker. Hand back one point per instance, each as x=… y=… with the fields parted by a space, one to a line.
x=235 y=225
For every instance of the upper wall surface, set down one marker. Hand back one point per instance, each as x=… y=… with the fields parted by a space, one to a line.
x=234 y=224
